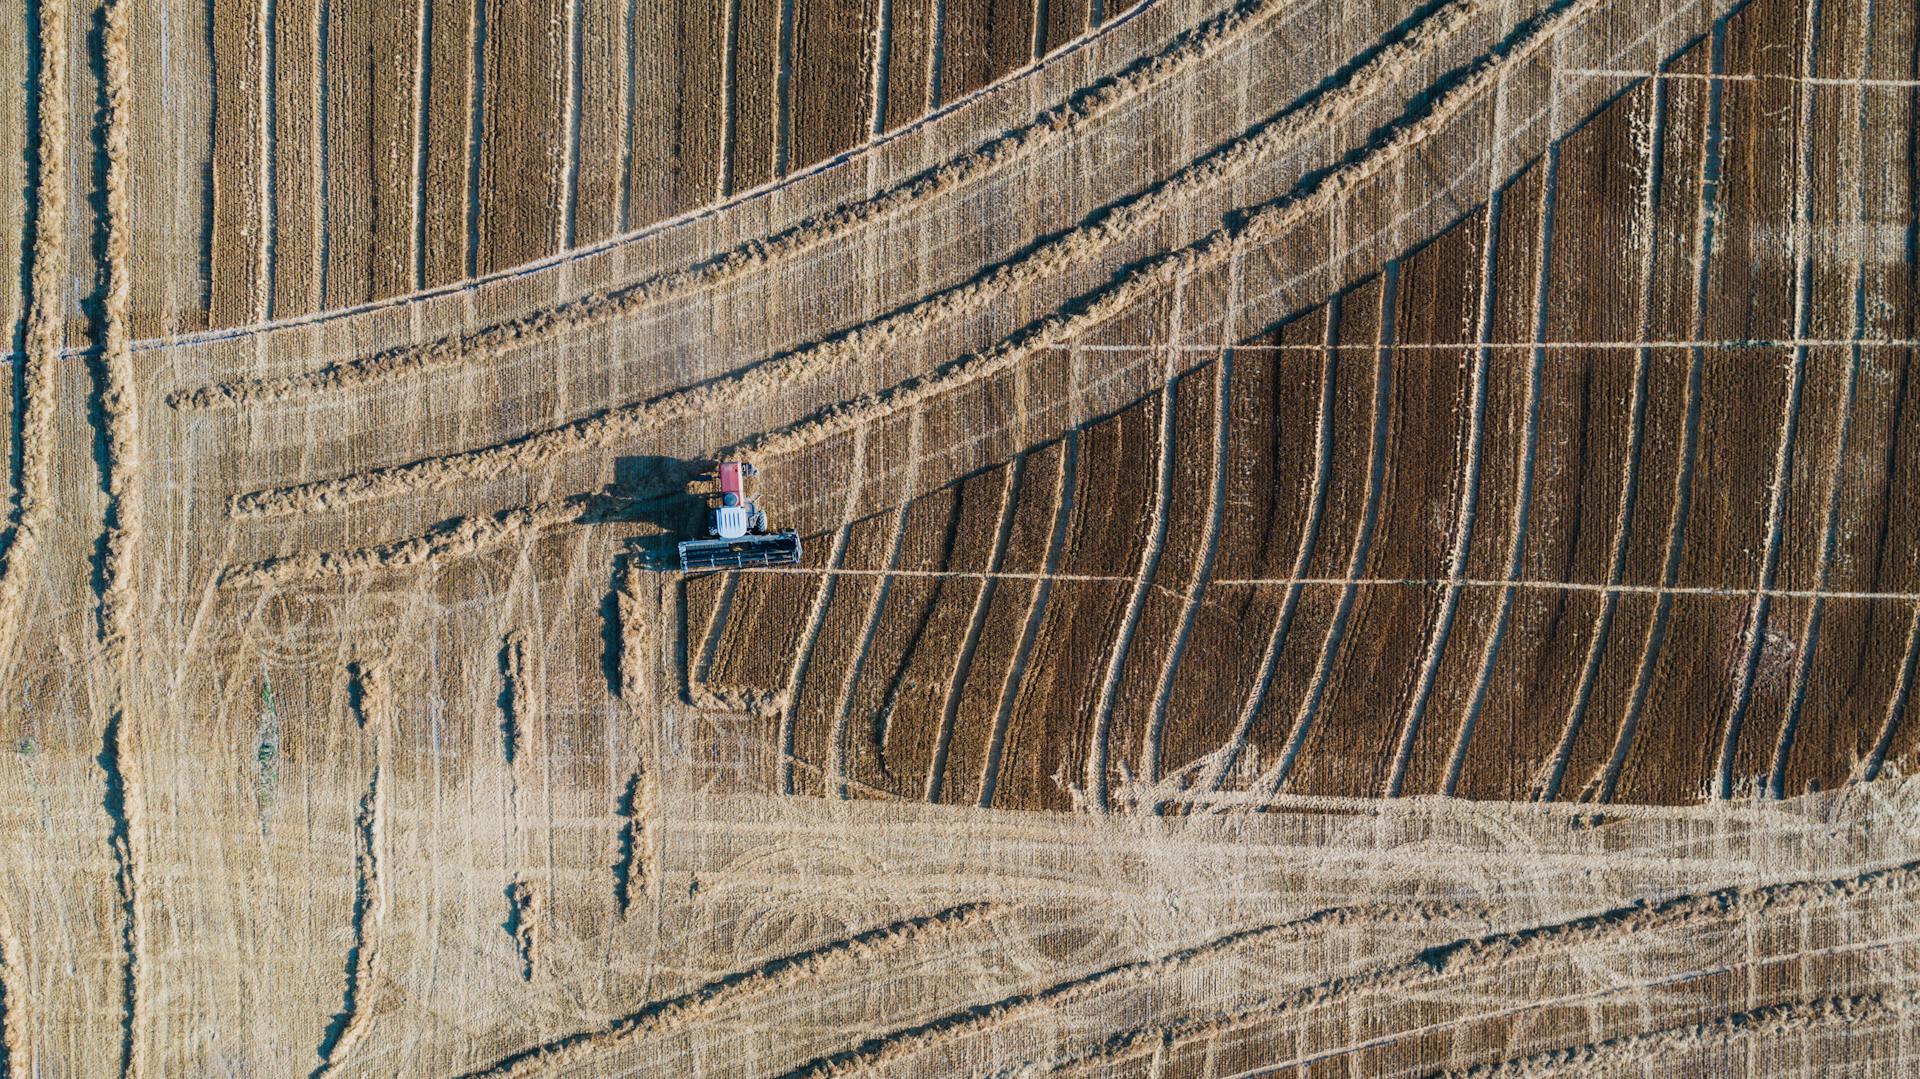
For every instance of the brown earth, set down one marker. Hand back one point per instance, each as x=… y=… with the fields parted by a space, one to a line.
x=1372 y=537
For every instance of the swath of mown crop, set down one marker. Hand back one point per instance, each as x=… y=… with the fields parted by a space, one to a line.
x=1560 y=627
x=684 y=183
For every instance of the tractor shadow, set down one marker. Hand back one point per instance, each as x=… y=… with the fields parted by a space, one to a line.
x=655 y=490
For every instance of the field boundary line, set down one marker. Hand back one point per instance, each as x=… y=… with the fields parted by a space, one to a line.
x=1856 y=83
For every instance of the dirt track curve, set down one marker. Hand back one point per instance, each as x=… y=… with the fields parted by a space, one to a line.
x=1373 y=537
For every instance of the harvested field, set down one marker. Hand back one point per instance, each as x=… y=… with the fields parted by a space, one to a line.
x=1364 y=537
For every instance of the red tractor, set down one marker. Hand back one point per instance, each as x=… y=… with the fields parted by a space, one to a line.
x=738 y=530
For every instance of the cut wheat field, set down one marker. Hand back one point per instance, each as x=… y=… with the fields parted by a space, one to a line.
x=1376 y=538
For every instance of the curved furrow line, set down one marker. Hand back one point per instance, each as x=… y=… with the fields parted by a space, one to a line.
x=1097 y=780
x=850 y=679
x=1553 y=771
x=1229 y=755
x=1830 y=530
x=1608 y=780
x=1464 y=513
x=1896 y=702
x=1085 y=107
x=1762 y=606
x=976 y=624
x=1202 y=573
x=1309 y=708
x=786 y=701
x=1262 y=224
x=1115 y=223
x=1490 y=953
x=773 y=976
x=1015 y=677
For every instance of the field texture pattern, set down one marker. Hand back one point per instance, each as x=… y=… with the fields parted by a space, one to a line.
x=1371 y=537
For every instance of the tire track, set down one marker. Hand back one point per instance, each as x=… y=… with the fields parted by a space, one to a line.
x=1476 y=955
x=1115 y=223
x=1084 y=108
x=1648 y=1048
x=1143 y=581
x=1762 y=607
x=741 y=986
x=890 y=1048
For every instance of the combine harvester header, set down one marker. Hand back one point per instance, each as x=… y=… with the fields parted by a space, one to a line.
x=738 y=530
